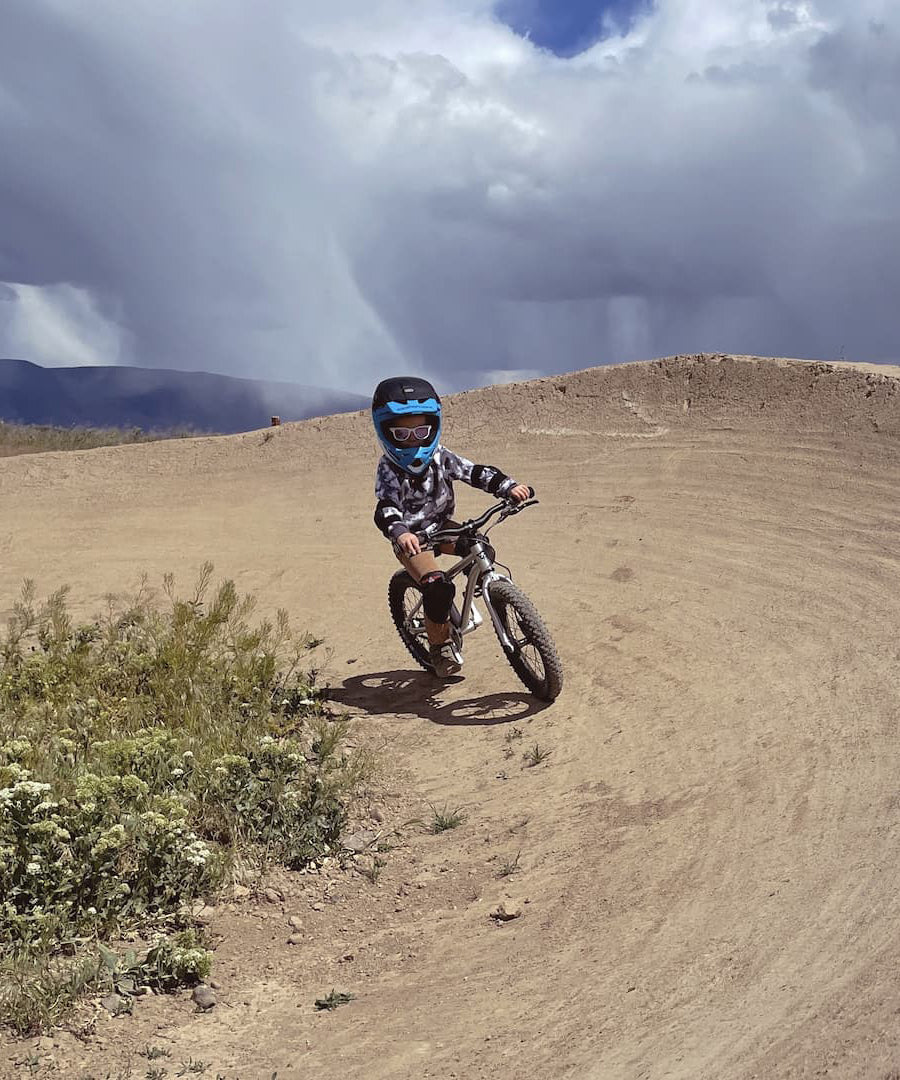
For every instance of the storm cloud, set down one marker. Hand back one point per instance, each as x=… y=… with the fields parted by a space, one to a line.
x=331 y=193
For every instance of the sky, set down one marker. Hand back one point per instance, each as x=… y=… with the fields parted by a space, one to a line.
x=569 y=27
x=471 y=190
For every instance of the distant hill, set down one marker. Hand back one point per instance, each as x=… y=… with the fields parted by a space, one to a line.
x=157 y=399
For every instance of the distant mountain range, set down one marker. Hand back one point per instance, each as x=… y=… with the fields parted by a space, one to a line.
x=157 y=399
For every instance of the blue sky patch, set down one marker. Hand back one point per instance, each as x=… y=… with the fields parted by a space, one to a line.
x=568 y=27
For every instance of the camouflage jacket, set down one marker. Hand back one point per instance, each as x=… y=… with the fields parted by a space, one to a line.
x=418 y=503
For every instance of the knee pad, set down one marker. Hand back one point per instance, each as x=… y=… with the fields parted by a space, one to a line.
x=438 y=593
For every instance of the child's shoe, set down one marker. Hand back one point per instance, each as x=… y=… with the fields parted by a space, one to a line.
x=444 y=659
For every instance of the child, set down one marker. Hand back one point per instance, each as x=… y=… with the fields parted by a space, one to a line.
x=414 y=489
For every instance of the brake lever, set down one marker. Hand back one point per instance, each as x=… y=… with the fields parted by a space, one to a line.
x=517 y=508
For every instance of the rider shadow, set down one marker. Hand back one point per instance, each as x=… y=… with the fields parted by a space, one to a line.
x=416 y=692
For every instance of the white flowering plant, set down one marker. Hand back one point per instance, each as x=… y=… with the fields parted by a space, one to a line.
x=141 y=751
x=179 y=959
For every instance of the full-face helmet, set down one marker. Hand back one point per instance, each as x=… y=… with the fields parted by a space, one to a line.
x=400 y=397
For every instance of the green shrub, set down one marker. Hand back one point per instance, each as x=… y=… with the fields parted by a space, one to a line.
x=273 y=796
x=140 y=753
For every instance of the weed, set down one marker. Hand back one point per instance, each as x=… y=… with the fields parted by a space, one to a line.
x=535 y=755
x=333 y=1000
x=191 y=1066
x=156 y=1073
x=509 y=867
x=509 y=738
x=152 y=1053
x=37 y=991
x=442 y=820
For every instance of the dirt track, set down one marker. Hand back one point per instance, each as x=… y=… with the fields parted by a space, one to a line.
x=709 y=853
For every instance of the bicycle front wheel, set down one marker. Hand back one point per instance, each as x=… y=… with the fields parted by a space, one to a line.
x=530 y=652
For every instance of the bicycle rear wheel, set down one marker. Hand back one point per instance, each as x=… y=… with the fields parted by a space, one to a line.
x=531 y=654
x=404 y=595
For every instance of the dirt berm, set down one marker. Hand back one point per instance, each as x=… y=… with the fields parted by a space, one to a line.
x=710 y=852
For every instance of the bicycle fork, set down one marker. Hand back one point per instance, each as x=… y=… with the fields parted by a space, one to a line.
x=495 y=618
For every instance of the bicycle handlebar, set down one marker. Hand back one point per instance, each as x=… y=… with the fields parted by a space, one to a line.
x=505 y=508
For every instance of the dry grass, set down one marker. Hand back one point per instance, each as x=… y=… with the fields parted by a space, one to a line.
x=39 y=438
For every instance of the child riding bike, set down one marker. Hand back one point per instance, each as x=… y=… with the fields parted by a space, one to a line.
x=414 y=489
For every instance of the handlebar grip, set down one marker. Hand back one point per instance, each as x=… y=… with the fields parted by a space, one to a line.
x=531 y=493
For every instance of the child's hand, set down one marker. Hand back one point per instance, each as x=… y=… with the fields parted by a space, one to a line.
x=409 y=544
x=520 y=492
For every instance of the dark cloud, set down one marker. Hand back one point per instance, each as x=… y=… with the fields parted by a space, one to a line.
x=328 y=197
x=172 y=165
x=859 y=65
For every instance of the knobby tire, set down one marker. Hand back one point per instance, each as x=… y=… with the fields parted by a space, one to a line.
x=507 y=598
x=400 y=585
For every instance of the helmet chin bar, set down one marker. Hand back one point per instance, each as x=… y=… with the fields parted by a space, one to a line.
x=417 y=463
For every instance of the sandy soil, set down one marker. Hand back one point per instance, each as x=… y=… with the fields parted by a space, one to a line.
x=708 y=854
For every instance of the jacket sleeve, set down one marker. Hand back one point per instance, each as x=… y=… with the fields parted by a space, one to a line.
x=389 y=515
x=486 y=477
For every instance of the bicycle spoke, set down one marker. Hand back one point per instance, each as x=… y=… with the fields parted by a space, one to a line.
x=416 y=625
x=532 y=659
x=405 y=602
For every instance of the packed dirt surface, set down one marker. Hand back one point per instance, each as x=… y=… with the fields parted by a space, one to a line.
x=705 y=864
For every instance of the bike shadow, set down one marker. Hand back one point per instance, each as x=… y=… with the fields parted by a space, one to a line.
x=417 y=692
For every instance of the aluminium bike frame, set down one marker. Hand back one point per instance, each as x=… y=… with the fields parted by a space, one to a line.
x=479 y=569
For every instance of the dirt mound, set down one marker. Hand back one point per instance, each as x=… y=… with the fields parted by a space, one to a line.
x=698 y=392
x=707 y=854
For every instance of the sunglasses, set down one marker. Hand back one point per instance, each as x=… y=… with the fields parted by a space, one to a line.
x=404 y=434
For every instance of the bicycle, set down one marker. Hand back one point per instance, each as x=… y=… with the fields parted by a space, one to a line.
x=524 y=638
